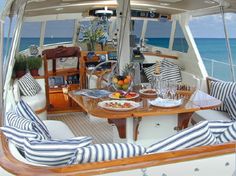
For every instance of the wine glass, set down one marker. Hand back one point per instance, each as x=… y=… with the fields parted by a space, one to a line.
x=163 y=88
x=172 y=88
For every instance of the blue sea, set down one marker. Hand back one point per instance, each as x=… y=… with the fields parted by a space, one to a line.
x=210 y=49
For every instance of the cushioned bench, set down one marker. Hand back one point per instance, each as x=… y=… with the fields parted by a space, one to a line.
x=36 y=102
x=57 y=130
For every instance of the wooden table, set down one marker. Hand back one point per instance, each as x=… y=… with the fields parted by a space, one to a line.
x=127 y=122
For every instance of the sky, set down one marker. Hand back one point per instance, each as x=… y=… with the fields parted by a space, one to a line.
x=201 y=27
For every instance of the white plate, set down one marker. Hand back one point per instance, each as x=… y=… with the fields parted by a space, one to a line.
x=166 y=103
x=142 y=91
x=134 y=105
x=110 y=96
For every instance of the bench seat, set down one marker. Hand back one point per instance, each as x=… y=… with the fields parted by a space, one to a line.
x=209 y=115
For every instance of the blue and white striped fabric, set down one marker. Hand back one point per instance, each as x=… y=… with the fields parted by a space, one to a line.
x=105 y=152
x=167 y=63
x=24 y=110
x=198 y=135
x=217 y=127
x=229 y=134
x=230 y=104
x=17 y=136
x=221 y=90
x=53 y=152
x=149 y=71
x=13 y=120
x=28 y=86
x=171 y=74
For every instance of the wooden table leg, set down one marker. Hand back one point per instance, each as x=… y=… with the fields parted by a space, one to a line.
x=122 y=125
x=183 y=120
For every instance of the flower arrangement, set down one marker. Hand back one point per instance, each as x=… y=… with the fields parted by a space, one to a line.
x=92 y=34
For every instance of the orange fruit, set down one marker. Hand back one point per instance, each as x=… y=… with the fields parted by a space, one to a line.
x=126 y=80
x=128 y=77
x=120 y=82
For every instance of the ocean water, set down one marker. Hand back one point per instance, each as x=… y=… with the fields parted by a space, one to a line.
x=211 y=49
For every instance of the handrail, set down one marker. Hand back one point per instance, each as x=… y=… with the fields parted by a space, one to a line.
x=9 y=163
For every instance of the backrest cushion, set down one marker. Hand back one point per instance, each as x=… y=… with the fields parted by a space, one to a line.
x=217 y=127
x=230 y=104
x=167 y=63
x=105 y=152
x=17 y=136
x=171 y=74
x=28 y=85
x=221 y=90
x=24 y=110
x=16 y=121
x=53 y=152
x=198 y=135
x=229 y=134
x=149 y=71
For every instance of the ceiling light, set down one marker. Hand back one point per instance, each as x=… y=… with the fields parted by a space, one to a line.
x=209 y=2
x=59 y=9
x=164 y=4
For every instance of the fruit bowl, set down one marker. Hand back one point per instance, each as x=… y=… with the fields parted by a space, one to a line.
x=122 y=82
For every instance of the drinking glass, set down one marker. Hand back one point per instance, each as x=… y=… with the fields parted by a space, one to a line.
x=155 y=84
x=172 y=88
x=163 y=89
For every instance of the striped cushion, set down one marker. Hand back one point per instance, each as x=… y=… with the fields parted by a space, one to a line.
x=23 y=124
x=149 y=71
x=17 y=136
x=53 y=152
x=105 y=152
x=217 y=127
x=171 y=74
x=229 y=134
x=28 y=86
x=197 y=135
x=221 y=90
x=24 y=110
x=230 y=104
x=167 y=63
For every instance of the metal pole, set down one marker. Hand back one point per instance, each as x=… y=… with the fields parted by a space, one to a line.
x=230 y=60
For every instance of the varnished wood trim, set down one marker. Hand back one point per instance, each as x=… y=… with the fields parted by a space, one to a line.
x=9 y=163
x=39 y=111
x=160 y=55
x=39 y=77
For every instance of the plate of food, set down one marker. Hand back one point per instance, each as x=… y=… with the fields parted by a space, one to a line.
x=118 y=105
x=166 y=103
x=122 y=95
x=148 y=92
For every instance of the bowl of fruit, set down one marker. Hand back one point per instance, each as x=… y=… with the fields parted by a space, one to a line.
x=122 y=82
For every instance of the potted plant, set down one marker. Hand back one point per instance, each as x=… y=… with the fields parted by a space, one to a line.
x=34 y=63
x=20 y=65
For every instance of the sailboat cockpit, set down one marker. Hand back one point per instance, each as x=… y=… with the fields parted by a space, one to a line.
x=113 y=87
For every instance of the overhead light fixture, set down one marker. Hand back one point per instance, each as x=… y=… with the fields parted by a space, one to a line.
x=209 y=2
x=104 y=14
x=59 y=9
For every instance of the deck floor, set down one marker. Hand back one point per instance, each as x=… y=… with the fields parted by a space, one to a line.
x=83 y=125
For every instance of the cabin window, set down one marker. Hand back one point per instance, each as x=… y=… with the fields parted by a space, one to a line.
x=211 y=43
x=180 y=43
x=30 y=35
x=158 y=33
x=136 y=30
x=59 y=31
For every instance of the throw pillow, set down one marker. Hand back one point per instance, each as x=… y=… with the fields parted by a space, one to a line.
x=149 y=71
x=217 y=127
x=167 y=63
x=28 y=86
x=105 y=152
x=24 y=110
x=229 y=134
x=53 y=152
x=230 y=104
x=17 y=136
x=221 y=90
x=198 y=135
x=171 y=74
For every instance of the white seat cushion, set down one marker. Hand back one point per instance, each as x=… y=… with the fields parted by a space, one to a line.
x=209 y=115
x=58 y=129
x=36 y=102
